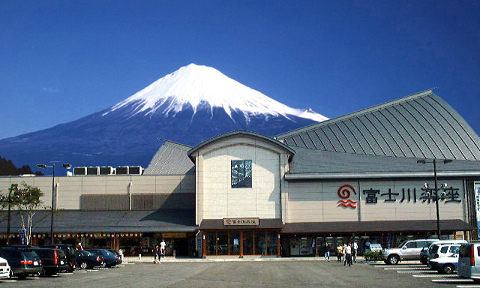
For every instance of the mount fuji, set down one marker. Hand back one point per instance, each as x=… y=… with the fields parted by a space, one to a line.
x=188 y=106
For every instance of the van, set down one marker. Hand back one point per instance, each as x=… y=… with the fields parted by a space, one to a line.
x=425 y=254
x=469 y=261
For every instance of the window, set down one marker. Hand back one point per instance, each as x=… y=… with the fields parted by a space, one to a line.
x=241 y=173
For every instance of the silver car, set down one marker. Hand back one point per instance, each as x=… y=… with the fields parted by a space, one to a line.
x=408 y=250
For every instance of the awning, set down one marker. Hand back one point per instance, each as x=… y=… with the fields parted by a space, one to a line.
x=75 y=221
x=375 y=226
x=217 y=224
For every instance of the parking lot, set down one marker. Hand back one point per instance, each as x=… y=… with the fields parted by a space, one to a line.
x=306 y=272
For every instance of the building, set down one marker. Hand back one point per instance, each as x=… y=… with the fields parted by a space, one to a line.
x=352 y=178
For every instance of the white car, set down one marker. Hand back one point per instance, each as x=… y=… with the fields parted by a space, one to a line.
x=446 y=265
x=4 y=269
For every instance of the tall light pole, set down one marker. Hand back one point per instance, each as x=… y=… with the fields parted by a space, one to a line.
x=434 y=161
x=43 y=166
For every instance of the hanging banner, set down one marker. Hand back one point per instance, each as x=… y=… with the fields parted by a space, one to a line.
x=477 y=206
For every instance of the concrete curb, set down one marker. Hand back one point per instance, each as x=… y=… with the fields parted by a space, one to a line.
x=149 y=259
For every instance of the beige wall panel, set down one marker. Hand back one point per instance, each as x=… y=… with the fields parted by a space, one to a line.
x=262 y=199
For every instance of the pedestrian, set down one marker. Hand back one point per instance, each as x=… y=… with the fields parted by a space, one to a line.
x=163 y=245
x=339 y=252
x=354 y=251
x=348 y=255
x=156 y=255
x=79 y=246
x=327 y=252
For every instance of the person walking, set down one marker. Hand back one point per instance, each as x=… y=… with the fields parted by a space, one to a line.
x=327 y=252
x=156 y=256
x=163 y=245
x=339 y=252
x=348 y=255
x=354 y=251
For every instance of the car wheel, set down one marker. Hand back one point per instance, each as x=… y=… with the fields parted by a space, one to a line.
x=103 y=264
x=423 y=260
x=22 y=276
x=393 y=259
x=448 y=269
x=83 y=265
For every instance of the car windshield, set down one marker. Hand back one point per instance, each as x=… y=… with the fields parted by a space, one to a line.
x=402 y=244
x=86 y=253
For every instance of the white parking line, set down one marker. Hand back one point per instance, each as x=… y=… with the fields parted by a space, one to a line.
x=452 y=280
x=416 y=271
x=399 y=266
x=467 y=286
x=434 y=275
x=407 y=268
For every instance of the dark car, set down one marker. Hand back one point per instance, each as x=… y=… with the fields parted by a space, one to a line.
x=117 y=253
x=69 y=251
x=23 y=262
x=87 y=259
x=53 y=260
x=110 y=258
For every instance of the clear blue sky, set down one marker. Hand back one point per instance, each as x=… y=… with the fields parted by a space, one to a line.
x=62 y=60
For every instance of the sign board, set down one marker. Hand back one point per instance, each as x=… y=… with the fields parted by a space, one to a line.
x=174 y=235
x=241 y=221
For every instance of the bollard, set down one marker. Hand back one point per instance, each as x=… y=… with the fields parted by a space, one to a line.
x=139 y=256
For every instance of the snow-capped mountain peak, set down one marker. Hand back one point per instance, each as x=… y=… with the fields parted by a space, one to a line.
x=194 y=85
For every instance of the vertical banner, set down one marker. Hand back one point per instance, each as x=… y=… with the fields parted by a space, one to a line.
x=477 y=206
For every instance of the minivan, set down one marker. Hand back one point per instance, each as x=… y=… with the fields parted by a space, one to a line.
x=469 y=261
x=23 y=262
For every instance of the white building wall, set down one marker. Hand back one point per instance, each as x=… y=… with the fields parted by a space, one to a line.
x=216 y=199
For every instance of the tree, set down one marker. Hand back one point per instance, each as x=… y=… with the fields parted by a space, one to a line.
x=27 y=200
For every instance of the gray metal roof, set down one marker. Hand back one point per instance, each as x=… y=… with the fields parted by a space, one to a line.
x=75 y=221
x=171 y=159
x=421 y=125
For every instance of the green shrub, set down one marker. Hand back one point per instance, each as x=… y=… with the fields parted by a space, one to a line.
x=372 y=255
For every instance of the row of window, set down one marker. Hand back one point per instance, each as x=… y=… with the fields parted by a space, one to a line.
x=253 y=242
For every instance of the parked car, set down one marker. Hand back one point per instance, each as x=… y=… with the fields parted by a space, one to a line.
x=375 y=247
x=53 y=260
x=446 y=265
x=469 y=261
x=69 y=251
x=87 y=259
x=110 y=258
x=408 y=250
x=23 y=262
x=119 y=257
x=425 y=250
x=4 y=269
x=436 y=251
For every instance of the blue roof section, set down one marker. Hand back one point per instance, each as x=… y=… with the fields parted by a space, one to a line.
x=421 y=125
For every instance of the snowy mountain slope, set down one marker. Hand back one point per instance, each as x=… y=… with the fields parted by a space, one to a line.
x=197 y=86
x=188 y=106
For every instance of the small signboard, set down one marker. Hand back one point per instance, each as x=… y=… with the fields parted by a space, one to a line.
x=241 y=221
x=174 y=235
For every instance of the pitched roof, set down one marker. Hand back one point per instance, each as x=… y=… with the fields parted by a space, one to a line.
x=240 y=133
x=421 y=125
x=170 y=159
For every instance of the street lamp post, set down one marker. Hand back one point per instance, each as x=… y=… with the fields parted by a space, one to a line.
x=434 y=161
x=43 y=166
